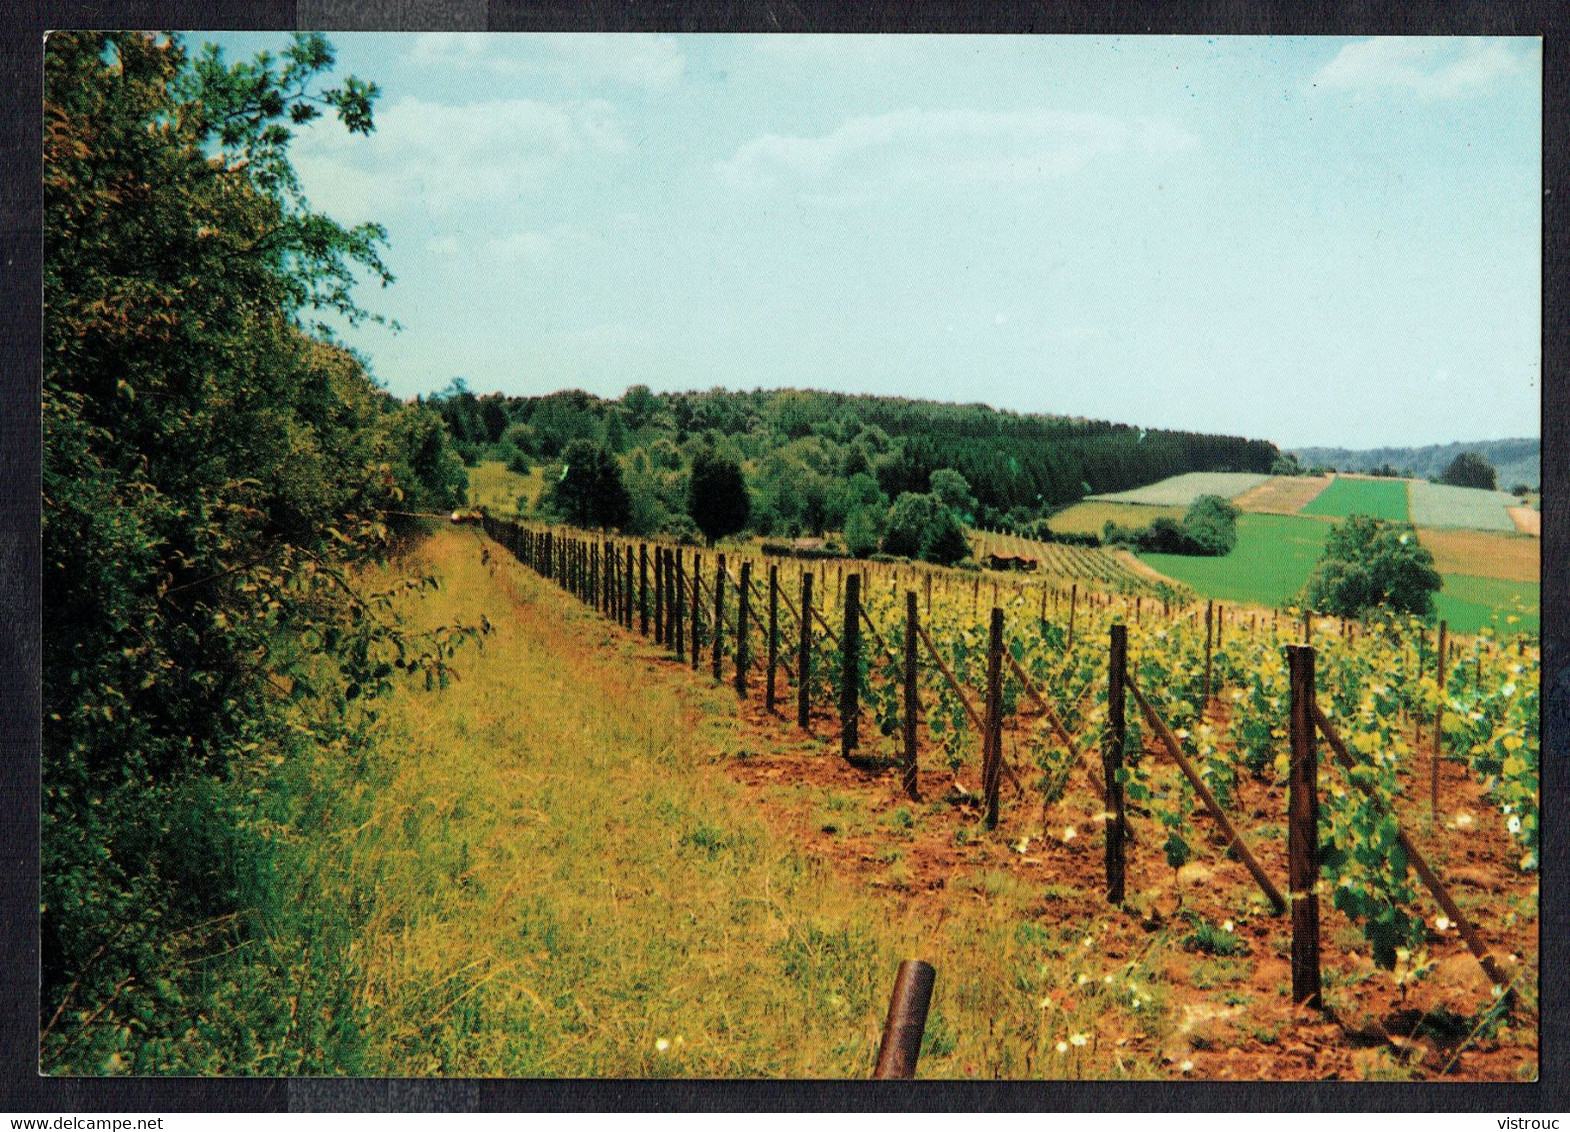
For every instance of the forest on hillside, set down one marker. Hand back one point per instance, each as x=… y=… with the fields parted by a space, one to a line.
x=818 y=461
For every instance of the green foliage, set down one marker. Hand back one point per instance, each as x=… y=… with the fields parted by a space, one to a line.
x=1370 y=564
x=717 y=496
x=1211 y=525
x=944 y=540
x=1469 y=469
x=1208 y=529
x=588 y=492
x=861 y=532
x=905 y=532
x=213 y=474
x=949 y=486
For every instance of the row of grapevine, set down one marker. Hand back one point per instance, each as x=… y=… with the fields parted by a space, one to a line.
x=1214 y=695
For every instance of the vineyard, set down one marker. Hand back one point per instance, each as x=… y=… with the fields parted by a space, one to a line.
x=1186 y=727
x=1112 y=569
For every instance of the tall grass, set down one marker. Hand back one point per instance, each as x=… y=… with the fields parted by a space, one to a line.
x=556 y=879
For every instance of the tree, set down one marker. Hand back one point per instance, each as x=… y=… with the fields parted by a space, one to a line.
x=1286 y=464
x=861 y=532
x=717 y=496
x=905 y=532
x=1469 y=469
x=1211 y=525
x=589 y=491
x=944 y=540
x=214 y=470
x=1369 y=564
x=951 y=487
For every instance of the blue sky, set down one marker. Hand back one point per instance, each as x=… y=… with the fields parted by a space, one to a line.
x=1312 y=241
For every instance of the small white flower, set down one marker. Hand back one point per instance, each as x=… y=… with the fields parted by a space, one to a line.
x=1514 y=824
x=1226 y=926
x=1081 y=980
x=1442 y=922
x=1078 y=1039
x=1069 y=833
x=1045 y=1004
x=1187 y=1066
x=1507 y=690
x=1107 y=979
x=1062 y=1047
x=661 y=1045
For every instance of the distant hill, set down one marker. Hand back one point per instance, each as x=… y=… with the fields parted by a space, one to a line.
x=1515 y=461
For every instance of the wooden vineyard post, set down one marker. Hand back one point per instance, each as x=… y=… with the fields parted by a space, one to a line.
x=992 y=740
x=1210 y=616
x=1221 y=620
x=912 y=706
x=1073 y=599
x=593 y=578
x=630 y=591
x=774 y=635
x=717 y=629
x=804 y=658
x=675 y=599
x=906 y=1022
x=1439 y=730
x=1303 y=830
x=927 y=585
x=850 y=667
x=1308 y=623
x=612 y=582
x=660 y=615
x=643 y=588
x=741 y=628
x=1043 y=615
x=697 y=608
x=1112 y=760
x=975 y=595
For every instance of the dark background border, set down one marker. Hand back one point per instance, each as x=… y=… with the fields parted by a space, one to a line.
x=21 y=38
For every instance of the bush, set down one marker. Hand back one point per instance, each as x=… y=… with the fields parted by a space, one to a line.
x=944 y=540
x=1371 y=564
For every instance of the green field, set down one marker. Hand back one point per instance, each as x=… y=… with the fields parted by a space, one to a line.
x=1469 y=603
x=1383 y=499
x=1275 y=553
x=1269 y=565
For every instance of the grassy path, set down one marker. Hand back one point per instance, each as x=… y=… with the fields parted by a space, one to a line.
x=580 y=859
x=564 y=882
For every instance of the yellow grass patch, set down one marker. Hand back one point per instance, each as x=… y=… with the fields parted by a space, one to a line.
x=1092 y=515
x=1527 y=520
x=560 y=878
x=1282 y=495
x=1486 y=554
x=493 y=486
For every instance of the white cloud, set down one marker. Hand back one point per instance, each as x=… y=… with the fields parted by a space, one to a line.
x=654 y=62
x=1429 y=67
x=966 y=146
x=438 y=157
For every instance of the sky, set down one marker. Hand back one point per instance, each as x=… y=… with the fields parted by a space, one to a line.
x=1307 y=240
